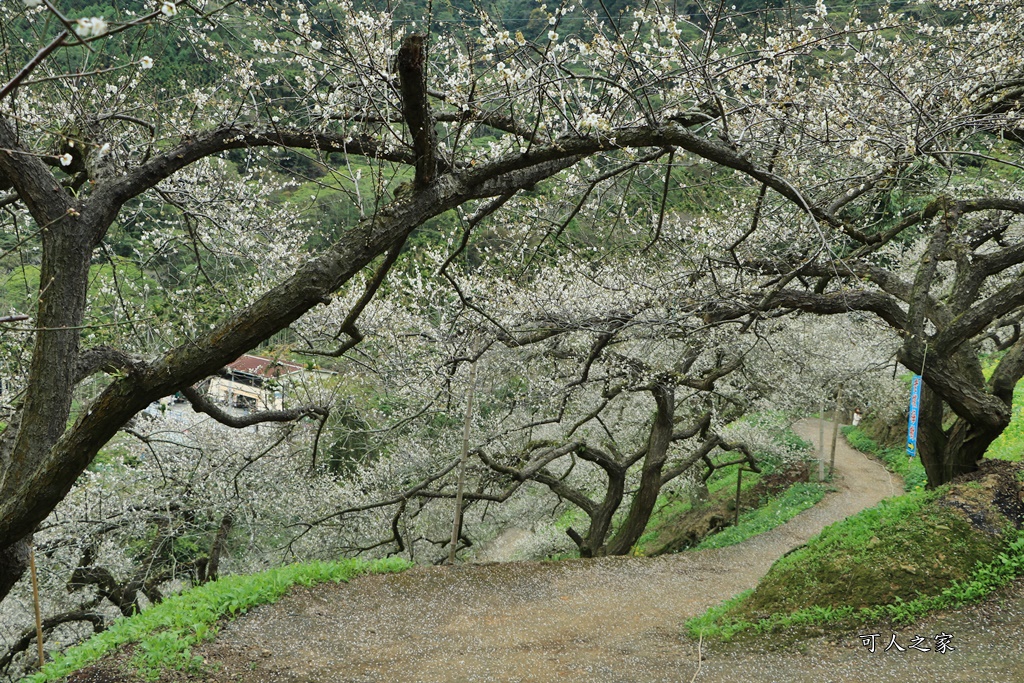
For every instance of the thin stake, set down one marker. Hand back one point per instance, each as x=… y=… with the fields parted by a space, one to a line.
x=700 y=643
x=739 y=480
x=835 y=431
x=35 y=602
x=821 y=441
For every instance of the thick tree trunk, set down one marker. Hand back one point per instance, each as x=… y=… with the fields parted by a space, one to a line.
x=965 y=447
x=948 y=453
x=954 y=385
x=650 y=480
x=13 y=565
x=931 y=440
x=220 y=541
x=592 y=545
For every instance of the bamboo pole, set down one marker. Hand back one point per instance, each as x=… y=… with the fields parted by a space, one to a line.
x=35 y=602
x=821 y=441
x=835 y=431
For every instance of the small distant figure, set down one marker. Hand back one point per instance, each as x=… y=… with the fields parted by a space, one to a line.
x=856 y=416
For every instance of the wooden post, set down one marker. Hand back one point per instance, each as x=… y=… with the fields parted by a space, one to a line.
x=739 y=480
x=35 y=601
x=457 y=523
x=835 y=431
x=821 y=441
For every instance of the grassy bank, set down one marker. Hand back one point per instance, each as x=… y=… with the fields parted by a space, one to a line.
x=771 y=498
x=163 y=636
x=670 y=508
x=910 y=555
x=894 y=457
x=774 y=512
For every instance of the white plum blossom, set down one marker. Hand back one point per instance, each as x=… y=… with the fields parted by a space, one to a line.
x=91 y=27
x=879 y=126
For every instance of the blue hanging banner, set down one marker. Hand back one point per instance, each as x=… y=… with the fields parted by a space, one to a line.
x=912 y=415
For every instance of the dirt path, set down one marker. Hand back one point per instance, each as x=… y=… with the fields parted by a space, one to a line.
x=611 y=619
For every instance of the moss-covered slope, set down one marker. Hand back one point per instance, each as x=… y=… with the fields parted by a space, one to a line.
x=914 y=548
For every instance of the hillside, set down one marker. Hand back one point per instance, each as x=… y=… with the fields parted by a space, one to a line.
x=571 y=615
x=613 y=619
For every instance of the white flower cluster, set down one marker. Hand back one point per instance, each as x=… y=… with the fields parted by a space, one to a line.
x=91 y=27
x=594 y=121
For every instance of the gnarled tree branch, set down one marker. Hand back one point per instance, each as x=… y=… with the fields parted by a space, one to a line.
x=201 y=404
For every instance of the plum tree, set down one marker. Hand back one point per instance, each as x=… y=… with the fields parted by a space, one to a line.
x=831 y=142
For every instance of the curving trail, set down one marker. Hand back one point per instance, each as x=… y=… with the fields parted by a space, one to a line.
x=610 y=619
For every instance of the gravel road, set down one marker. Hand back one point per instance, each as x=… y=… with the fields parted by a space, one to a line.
x=607 y=620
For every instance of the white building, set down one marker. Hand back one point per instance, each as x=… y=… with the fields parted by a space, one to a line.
x=252 y=383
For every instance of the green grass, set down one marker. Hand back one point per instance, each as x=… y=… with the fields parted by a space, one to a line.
x=718 y=622
x=723 y=482
x=1010 y=444
x=164 y=635
x=897 y=561
x=670 y=507
x=667 y=509
x=776 y=512
x=895 y=458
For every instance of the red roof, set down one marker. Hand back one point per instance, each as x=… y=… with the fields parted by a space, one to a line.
x=264 y=367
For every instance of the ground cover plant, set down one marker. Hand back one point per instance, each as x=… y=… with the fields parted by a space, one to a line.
x=925 y=550
x=163 y=636
x=894 y=457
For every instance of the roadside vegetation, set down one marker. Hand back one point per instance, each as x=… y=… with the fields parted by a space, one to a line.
x=768 y=499
x=163 y=636
x=910 y=555
x=773 y=512
x=894 y=457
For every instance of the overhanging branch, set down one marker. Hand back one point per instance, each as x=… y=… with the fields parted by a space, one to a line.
x=201 y=404
x=105 y=359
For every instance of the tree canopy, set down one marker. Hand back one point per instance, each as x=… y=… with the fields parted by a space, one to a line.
x=688 y=181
